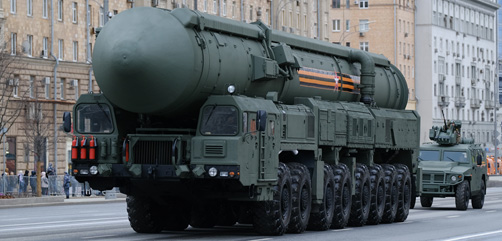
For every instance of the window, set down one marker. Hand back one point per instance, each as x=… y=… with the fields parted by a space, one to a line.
x=44 y=8
x=29 y=7
x=93 y=118
x=89 y=14
x=219 y=120
x=60 y=10
x=363 y=4
x=101 y=17
x=215 y=6
x=15 y=86
x=13 y=6
x=29 y=51
x=347 y=4
x=347 y=25
x=75 y=86
x=364 y=46
x=364 y=25
x=75 y=51
x=251 y=13
x=44 y=47
x=347 y=44
x=62 y=88
x=74 y=12
x=336 y=25
x=60 y=49
x=30 y=88
x=336 y=3
x=224 y=8
x=47 y=87
x=205 y=5
x=13 y=43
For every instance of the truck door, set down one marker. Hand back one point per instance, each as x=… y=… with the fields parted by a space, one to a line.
x=267 y=137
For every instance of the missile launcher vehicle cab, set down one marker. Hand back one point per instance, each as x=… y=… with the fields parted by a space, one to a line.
x=451 y=167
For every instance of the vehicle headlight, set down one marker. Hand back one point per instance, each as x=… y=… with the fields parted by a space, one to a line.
x=212 y=172
x=453 y=178
x=93 y=170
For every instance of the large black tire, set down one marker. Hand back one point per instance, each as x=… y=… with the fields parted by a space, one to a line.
x=272 y=217
x=404 y=187
x=176 y=214
x=204 y=214
x=361 y=200
x=321 y=215
x=301 y=197
x=479 y=200
x=413 y=191
x=343 y=196
x=391 y=193
x=377 y=203
x=462 y=195
x=144 y=214
x=426 y=202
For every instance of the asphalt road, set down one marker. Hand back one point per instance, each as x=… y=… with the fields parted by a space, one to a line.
x=108 y=221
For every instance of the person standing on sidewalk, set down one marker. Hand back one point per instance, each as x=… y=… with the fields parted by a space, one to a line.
x=45 y=184
x=33 y=183
x=66 y=184
x=20 y=181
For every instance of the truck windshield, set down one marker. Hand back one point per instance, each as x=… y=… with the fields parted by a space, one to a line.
x=429 y=156
x=219 y=120
x=93 y=118
x=455 y=156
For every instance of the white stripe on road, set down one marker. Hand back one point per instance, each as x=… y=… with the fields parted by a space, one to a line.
x=65 y=225
x=95 y=237
x=341 y=230
x=474 y=236
x=453 y=216
x=57 y=222
x=263 y=239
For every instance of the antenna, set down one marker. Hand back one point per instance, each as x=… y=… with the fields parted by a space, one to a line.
x=444 y=119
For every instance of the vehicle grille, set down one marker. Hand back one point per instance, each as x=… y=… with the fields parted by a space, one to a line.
x=152 y=152
x=214 y=148
x=434 y=177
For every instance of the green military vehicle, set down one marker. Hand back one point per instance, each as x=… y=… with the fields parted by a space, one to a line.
x=451 y=167
x=206 y=121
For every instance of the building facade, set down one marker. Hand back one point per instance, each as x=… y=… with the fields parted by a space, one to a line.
x=457 y=71
x=380 y=26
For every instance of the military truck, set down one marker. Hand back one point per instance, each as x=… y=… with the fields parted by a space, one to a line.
x=206 y=121
x=451 y=167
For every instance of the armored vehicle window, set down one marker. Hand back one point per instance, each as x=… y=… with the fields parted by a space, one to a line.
x=429 y=156
x=219 y=120
x=93 y=118
x=456 y=156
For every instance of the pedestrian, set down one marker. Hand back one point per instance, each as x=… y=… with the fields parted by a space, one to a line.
x=44 y=184
x=26 y=179
x=20 y=181
x=66 y=185
x=33 y=183
x=51 y=174
x=11 y=183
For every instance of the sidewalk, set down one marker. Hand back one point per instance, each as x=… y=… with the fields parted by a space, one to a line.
x=57 y=200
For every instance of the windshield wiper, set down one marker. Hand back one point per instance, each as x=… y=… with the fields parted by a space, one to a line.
x=104 y=112
x=210 y=114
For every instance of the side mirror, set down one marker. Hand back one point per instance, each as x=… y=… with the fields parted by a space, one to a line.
x=480 y=160
x=261 y=122
x=67 y=122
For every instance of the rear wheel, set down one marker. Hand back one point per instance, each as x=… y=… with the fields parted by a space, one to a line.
x=321 y=215
x=462 y=195
x=377 y=203
x=479 y=200
x=361 y=199
x=144 y=214
x=426 y=202
x=343 y=196
x=391 y=193
x=301 y=197
x=404 y=194
x=272 y=217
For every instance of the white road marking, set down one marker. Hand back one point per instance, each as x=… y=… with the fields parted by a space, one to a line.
x=263 y=239
x=59 y=222
x=95 y=237
x=474 y=236
x=342 y=230
x=453 y=216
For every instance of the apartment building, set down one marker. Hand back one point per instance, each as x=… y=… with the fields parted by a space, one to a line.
x=456 y=49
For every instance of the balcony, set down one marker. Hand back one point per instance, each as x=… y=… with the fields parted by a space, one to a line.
x=489 y=104
x=475 y=103
x=473 y=82
x=460 y=102
x=443 y=101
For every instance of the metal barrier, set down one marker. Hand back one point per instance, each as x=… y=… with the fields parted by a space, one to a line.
x=11 y=185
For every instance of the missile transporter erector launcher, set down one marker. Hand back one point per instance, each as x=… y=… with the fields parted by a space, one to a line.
x=451 y=167
x=206 y=121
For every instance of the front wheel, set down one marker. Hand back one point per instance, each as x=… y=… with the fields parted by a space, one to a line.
x=144 y=214
x=426 y=202
x=479 y=200
x=462 y=195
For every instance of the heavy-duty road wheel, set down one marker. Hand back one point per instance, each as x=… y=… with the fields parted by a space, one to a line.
x=404 y=194
x=343 y=196
x=301 y=197
x=426 y=202
x=321 y=215
x=391 y=193
x=204 y=214
x=272 y=217
x=361 y=199
x=462 y=195
x=413 y=192
x=479 y=200
x=377 y=203
x=145 y=215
